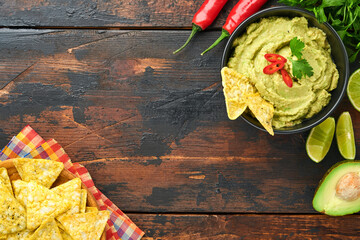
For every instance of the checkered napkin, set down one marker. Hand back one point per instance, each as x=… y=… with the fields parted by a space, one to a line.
x=30 y=144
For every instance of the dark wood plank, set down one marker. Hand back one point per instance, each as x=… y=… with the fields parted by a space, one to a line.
x=88 y=13
x=150 y=126
x=246 y=227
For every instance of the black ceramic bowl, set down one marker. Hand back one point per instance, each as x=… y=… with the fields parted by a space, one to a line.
x=338 y=54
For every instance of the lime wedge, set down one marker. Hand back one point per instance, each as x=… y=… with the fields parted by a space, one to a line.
x=319 y=140
x=353 y=89
x=345 y=136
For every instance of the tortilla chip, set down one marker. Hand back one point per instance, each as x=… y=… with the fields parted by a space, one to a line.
x=86 y=226
x=83 y=200
x=61 y=227
x=235 y=86
x=42 y=203
x=72 y=191
x=262 y=109
x=69 y=186
x=4 y=179
x=91 y=209
x=65 y=235
x=75 y=197
x=20 y=235
x=42 y=171
x=48 y=230
x=12 y=213
x=20 y=191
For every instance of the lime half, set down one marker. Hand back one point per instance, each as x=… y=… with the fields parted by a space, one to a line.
x=345 y=136
x=353 y=89
x=319 y=140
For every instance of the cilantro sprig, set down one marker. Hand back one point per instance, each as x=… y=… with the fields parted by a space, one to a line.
x=300 y=67
x=343 y=15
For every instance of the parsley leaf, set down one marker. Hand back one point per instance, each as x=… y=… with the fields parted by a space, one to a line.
x=301 y=68
x=343 y=15
x=296 y=47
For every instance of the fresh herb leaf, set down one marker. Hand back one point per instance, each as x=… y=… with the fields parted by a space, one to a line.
x=296 y=46
x=343 y=15
x=301 y=68
x=300 y=3
x=332 y=3
x=352 y=58
x=320 y=14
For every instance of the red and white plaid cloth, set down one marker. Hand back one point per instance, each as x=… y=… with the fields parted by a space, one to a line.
x=29 y=144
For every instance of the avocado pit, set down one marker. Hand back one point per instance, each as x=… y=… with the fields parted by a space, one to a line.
x=348 y=187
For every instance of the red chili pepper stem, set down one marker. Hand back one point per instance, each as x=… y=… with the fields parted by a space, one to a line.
x=224 y=34
x=195 y=29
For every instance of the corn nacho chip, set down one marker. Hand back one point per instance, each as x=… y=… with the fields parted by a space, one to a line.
x=20 y=235
x=69 y=186
x=12 y=213
x=42 y=203
x=235 y=86
x=61 y=227
x=42 y=171
x=48 y=230
x=20 y=191
x=4 y=179
x=86 y=226
x=91 y=209
x=65 y=235
x=74 y=197
x=263 y=110
x=83 y=200
x=72 y=191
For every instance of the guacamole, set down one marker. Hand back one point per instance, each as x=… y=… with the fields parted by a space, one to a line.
x=308 y=95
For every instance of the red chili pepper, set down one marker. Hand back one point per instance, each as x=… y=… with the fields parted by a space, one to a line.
x=273 y=68
x=242 y=10
x=272 y=57
x=204 y=17
x=286 y=77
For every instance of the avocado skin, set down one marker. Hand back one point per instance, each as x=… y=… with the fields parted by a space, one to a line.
x=323 y=181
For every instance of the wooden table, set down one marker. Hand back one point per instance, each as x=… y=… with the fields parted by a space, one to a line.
x=151 y=127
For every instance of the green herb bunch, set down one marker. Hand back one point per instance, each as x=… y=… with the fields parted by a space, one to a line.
x=343 y=15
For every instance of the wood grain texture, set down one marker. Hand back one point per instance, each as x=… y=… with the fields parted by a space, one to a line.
x=122 y=13
x=151 y=127
x=246 y=227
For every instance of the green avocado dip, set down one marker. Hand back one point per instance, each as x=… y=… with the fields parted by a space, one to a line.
x=308 y=95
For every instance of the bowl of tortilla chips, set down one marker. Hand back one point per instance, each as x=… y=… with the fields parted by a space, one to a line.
x=40 y=199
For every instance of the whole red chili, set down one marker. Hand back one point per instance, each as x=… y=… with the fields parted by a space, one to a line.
x=242 y=10
x=273 y=68
x=286 y=77
x=272 y=57
x=204 y=17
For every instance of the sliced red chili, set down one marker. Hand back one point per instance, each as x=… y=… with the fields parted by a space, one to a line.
x=286 y=77
x=272 y=57
x=274 y=67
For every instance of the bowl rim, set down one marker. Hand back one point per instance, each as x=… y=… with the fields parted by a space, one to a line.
x=228 y=49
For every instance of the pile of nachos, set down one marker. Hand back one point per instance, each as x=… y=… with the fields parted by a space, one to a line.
x=30 y=209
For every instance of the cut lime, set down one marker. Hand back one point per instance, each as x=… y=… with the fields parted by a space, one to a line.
x=319 y=140
x=345 y=136
x=353 y=89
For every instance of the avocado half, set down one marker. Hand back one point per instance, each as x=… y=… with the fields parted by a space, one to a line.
x=338 y=192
